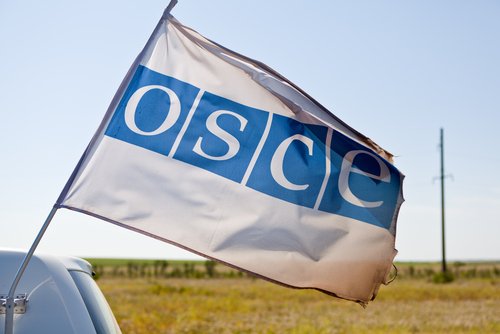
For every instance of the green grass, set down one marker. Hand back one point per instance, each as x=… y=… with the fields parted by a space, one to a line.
x=247 y=305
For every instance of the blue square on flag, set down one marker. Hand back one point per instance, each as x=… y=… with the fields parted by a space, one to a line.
x=291 y=165
x=222 y=136
x=365 y=187
x=152 y=111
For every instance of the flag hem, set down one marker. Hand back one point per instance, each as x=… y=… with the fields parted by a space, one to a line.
x=360 y=137
x=112 y=108
x=363 y=303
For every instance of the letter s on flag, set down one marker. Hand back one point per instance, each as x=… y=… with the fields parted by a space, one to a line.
x=233 y=143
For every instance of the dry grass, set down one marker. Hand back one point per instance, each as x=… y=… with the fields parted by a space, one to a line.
x=247 y=305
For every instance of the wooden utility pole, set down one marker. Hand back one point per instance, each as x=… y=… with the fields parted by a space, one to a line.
x=441 y=145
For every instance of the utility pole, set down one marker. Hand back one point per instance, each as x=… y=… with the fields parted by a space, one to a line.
x=441 y=146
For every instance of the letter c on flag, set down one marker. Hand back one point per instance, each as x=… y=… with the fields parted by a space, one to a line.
x=279 y=156
x=174 y=110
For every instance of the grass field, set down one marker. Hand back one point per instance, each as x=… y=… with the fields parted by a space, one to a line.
x=229 y=303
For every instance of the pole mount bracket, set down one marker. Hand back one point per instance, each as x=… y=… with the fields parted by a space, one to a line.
x=20 y=303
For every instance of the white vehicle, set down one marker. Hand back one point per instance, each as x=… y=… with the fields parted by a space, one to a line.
x=56 y=295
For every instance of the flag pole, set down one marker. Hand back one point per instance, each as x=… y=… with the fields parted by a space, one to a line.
x=171 y=5
x=9 y=302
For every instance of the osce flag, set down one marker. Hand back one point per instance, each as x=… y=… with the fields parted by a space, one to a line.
x=216 y=153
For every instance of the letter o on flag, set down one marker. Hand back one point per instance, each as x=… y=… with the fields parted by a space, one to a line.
x=174 y=110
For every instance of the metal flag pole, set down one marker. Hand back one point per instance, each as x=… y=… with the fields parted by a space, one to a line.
x=170 y=6
x=9 y=302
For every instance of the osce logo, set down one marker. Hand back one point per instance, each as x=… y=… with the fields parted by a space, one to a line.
x=308 y=165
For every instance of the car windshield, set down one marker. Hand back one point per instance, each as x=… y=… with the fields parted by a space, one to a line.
x=99 y=310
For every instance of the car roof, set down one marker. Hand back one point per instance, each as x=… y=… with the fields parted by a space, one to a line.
x=12 y=258
x=55 y=304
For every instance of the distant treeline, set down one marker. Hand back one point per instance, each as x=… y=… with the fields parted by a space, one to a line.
x=162 y=269
x=119 y=268
x=465 y=270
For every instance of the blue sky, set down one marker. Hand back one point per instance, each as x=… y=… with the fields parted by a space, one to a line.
x=396 y=71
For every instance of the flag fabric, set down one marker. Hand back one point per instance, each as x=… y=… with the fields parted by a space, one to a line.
x=217 y=153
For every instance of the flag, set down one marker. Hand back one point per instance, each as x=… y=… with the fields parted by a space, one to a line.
x=217 y=153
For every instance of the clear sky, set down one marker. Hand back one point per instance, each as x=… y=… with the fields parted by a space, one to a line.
x=396 y=71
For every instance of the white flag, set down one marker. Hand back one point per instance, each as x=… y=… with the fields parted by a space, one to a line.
x=217 y=153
